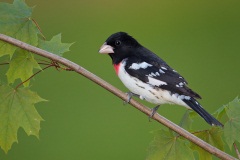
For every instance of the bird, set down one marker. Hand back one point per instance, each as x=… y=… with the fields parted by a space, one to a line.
x=149 y=77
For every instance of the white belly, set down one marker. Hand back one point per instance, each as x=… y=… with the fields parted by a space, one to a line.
x=148 y=92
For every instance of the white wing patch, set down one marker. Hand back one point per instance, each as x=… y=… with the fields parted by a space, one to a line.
x=164 y=68
x=137 y=66
x=181 y=84
x=181 y=96
x=153 y=74
x=155 y=82
x=161 y=71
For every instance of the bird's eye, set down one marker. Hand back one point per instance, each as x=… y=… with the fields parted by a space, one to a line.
x=117 y=43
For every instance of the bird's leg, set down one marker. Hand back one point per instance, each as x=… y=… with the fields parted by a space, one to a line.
x=129 y=96
x=154 y=110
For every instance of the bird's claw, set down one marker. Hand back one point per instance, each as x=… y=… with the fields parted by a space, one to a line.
x=129 y=97
x=154 y=110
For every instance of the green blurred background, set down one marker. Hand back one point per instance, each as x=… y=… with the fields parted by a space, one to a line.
x=200 y=39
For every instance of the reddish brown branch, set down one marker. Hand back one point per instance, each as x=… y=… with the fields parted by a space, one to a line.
x=53 y=64
x=43 y=63
x=32 y=76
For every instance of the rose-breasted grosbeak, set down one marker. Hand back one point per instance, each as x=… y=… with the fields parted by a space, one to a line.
x=149 y=77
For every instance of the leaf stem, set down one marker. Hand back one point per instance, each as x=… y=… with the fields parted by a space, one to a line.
x=50 y=65
x=35 y=22
x=236 y=149
x=43 y=63
x=54 y=63
x=4 y=63
x=209 y=148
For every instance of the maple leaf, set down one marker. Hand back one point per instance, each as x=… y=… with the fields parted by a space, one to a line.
x=211 y=136
x=17 y=110
x=168 y=147
x=221 y=114
x=15 y=21
x=232 y=126
x=21 y=66
x=55 y=45
x=187 y=119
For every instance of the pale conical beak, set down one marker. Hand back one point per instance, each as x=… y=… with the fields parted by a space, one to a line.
x=105 y=49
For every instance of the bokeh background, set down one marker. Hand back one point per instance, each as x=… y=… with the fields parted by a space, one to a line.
x=200 y=39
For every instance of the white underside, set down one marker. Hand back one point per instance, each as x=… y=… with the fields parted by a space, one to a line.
x=148 y=92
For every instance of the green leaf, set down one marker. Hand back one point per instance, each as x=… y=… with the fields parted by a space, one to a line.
x=21 y=66
x=213 y=137
x=17 y=110
x=15 y=21
x=221 y=114
x=186 y=121
x=232 y=126
x=55 y=45
x=17 y=9
x=168 y=147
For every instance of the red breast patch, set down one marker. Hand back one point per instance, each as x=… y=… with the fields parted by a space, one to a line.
x=116 y=67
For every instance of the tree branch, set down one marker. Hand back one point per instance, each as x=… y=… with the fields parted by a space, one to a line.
x=75 y=67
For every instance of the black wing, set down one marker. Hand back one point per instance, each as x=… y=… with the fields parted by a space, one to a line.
x=158 y=75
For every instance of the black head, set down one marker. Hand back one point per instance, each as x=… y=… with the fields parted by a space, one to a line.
x=118 y=46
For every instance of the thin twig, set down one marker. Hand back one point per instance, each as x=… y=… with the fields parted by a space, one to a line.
x=50 y=65
x=55 y=64
x=196 y=132
x=43 y=60
x=35 y=22
x=43 y=63
x=213 y=150
x=4 y=63
x=236 y=149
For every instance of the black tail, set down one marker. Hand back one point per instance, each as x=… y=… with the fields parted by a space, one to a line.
x=192 y=103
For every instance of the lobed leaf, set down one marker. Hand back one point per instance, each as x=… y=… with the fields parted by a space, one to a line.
x=17 y=110
x=21 y=66
x=211 y=136
x=55 y=45
x=15 y=21
x=187 y=119
x=221 y=114
x=168 y=147
x=232 y=126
